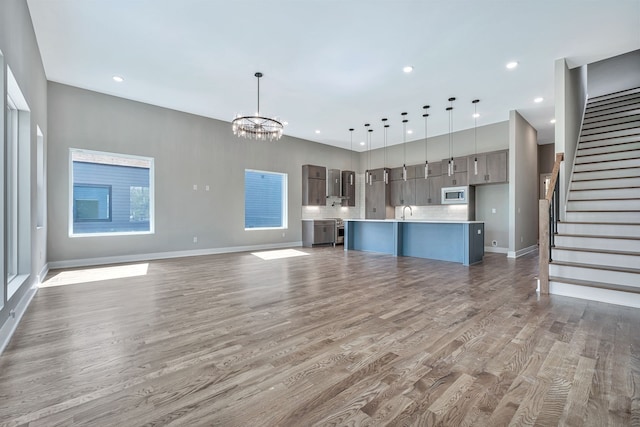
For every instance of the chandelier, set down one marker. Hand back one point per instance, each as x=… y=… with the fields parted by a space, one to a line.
x=257 y=127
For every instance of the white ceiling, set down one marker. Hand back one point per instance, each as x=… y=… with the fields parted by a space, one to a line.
x=333 y=64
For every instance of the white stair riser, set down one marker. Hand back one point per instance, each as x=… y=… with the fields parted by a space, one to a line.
x=613 y=193
x=605 y=142
x=595 y=294
x=595 y=103
x=615 y=134
x=598 y=243
x=620 y=115
x=610 y=128
x=604 y=205
x=608 y=149
x=615 y=164
x=595 y=229
x=596 y=258
x=626 y=217
x=605 y=112
x=615 y=94
x=606 y=183
x=594 y=275
x=606 y=157
x=606 y=174
x=604 y=107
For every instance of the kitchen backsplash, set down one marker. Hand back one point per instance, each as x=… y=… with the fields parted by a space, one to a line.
x=435 y=212
x=338 y=211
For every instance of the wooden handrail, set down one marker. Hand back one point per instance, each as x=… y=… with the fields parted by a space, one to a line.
x=544 y=229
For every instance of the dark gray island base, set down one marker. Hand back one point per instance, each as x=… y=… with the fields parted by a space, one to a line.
x=455 y=241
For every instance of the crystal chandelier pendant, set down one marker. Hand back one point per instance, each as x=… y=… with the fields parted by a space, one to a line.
x=257 y=127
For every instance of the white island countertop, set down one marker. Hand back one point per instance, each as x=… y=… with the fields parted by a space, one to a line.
x=426 y=221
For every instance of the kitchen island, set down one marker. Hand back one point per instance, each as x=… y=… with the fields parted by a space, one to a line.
x=455 y=241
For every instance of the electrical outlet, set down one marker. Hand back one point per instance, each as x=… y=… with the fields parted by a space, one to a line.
x=206 y=188
x=195 y=239
x=521 y=239
x=494 y=243
x=195 y=187
x=493 y=210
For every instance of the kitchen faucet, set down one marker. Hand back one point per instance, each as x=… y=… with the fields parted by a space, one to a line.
x=403 y=211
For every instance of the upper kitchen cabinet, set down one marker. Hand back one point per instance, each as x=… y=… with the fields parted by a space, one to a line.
x=403 y=192
x=377 y=197
x=428 y=190
x=333 y=183
x=314 y=185
x=458 y=176
x=348 y=188
x=492 y=168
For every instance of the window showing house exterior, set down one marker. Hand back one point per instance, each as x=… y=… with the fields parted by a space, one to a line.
x=110 y=194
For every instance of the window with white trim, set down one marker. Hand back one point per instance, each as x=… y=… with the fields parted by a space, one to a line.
x=110 y=194
x=265 y=200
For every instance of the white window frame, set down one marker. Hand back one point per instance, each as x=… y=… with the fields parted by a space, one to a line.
x=152 y=215
x=285 y=201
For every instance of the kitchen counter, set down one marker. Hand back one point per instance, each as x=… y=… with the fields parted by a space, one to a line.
x=455 y=241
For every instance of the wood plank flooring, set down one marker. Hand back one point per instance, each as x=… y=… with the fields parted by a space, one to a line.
x=331 y=339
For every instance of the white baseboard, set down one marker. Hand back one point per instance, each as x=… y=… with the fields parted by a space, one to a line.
x=85 y=262
x=43 y=273
x=521 y=252
x=10 y=325
x=496 y=249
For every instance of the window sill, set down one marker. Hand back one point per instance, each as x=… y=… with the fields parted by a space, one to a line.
x=122 y=233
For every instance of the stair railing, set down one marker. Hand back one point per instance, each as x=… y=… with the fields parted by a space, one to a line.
x=549 y=213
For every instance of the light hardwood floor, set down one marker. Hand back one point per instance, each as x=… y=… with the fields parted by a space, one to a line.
x=333 y=338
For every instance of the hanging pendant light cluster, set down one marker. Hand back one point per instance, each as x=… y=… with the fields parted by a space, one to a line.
x=450 y=168
x=384 y=166
x=351 y=157
x=370 y=174
x=426 y=157
x=257 y=127
x=404 y=143
x=475 y=135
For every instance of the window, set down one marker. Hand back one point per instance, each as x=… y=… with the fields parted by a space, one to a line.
x=110 y=194
x=40 y=179
x=265 y=200
x=12 y=190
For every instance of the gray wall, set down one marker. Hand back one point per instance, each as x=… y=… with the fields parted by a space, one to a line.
x=614 y=74
x=496 y=224
x=571 y=98
x=188 y=150
x=523 y=184
x=20 y=52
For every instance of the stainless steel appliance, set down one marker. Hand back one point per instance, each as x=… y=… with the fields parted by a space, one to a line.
x=339 y=231
x=456 y=195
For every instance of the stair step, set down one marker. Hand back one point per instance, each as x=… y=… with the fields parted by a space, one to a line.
x=606 y=112
x=607 y=157
x=609 y=135
x=596 y=184
x=633 y=124
x=605 y=229
x=633 y=100
x=593 y=103
x=605 y=193
x=598 y=273
x=615 y=94
x=612 y=116
x=606 y=165
x=601 y=243
x=611 y=121
x=627 y=146
x=606 y=142
x=606 y=174
x=608 y=205
x=586 y=256
x=604 y=292
x=626 y=217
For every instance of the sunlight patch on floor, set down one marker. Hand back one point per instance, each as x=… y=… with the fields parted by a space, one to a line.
x=93 y=274
x=279 y=254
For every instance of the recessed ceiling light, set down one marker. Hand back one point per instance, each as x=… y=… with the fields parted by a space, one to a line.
x=285 y=123
x=118 y=79
x=476 y=115
x=538 y=100
x=361 y=142
x=511 y=65
x=552 y=121
x=408 y=69
x=409 y=132
x=317 y=131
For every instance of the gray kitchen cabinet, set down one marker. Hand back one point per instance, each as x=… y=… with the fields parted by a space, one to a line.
x=333 y=183
x=318 y=232
x=458 y=179
x=377 y=197
x=492 y=168
x=403 y=192
x=348 y=188
x=428 y=191
x=314 y=185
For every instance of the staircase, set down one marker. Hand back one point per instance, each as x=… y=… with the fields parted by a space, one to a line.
x=597 y=248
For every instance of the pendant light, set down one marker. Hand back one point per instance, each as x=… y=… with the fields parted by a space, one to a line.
x=351 y=157
x=404 y=144
x=426 y=157
x=384 y=167
x=475 y=135
x=370 y=174
x=367 y=173
x=450 y=110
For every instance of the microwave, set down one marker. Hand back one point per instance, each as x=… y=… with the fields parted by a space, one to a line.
x=455 y=195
